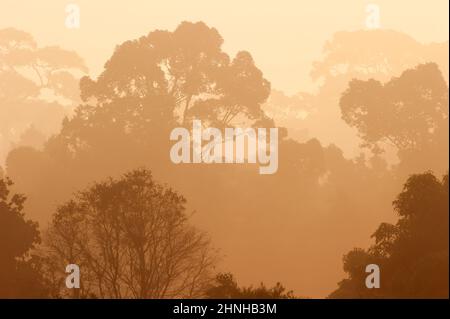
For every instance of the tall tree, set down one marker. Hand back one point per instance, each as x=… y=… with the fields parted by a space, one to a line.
x=38 y=86
x=172 y=77
x=363 y=55
x=149 y=86
x=410 y=112
x=19 y=277
x=131 y=239
x=413 y=253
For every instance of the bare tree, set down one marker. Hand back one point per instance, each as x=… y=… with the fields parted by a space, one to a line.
x=131 y=239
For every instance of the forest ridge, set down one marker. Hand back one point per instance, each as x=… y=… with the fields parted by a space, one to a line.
x=87 y=178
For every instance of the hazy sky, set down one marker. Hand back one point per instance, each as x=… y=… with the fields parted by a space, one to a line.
x=284 y=36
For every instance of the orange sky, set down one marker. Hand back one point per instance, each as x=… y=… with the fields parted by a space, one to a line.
x=277 y=33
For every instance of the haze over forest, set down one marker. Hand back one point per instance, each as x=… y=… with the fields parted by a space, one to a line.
x=85 y=119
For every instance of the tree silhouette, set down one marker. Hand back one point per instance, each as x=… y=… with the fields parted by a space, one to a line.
x=373 y=54
x=19 y=276
x=178 y=75
x=362 y=55
x=412 y=254
x=38 y=85
x=165 y=79
x=409 y=112
x=131 y=239
x=226 y=287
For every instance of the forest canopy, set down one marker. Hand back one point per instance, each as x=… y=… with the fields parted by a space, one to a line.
x=108 y=198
